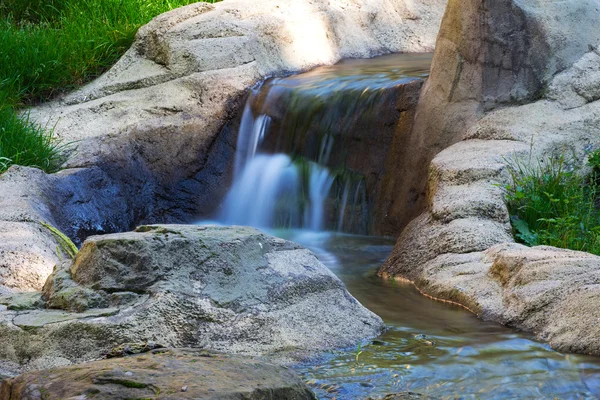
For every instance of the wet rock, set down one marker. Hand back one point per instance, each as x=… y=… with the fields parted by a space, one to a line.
x=163 y=373
x=234 y=290
x=406 y=396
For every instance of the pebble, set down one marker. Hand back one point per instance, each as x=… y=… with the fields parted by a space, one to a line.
x=184 y=389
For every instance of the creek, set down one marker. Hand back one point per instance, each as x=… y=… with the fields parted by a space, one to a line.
x=310 y=157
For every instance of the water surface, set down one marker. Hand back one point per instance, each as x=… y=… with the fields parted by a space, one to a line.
x=431 y=347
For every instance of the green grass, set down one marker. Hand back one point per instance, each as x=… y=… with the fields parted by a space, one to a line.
x=553 y=204
x=53 y=46
x=24 y=143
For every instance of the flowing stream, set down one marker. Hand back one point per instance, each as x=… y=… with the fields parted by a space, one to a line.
x=292 y=179
x=430 y=347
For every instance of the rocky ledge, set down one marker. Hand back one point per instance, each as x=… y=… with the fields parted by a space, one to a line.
x=234 y=290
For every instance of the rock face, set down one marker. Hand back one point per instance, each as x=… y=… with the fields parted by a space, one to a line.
x=489 y=53
x=461 y=248
x=153 y=138
x=172 y=374
x=226 y=289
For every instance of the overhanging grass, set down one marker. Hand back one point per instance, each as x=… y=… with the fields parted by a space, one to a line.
x=553 y=204
x=24 y=143
x=51 y=46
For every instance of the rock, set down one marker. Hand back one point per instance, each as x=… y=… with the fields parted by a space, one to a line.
x=127 y=349
x=460 y=249
x=489 y=53
x=234 y=290
x=22 y=301
x=164 y=372
x=40 y=318
x=552 y=292
x=135 y=158
x=63 y=293
x=77 y=201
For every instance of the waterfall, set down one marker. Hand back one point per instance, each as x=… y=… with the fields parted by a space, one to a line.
x=303 y=136
x=267 y=188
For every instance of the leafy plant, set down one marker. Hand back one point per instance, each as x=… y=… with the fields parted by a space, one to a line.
x=357 y=354
x=552 y=204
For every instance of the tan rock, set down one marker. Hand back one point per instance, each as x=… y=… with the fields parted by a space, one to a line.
x=460 y=248
x=488 y=54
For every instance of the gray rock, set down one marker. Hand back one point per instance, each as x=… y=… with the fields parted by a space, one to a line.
x=135 y=158
x=40 y=318
x=22 y=301
x=234 y=290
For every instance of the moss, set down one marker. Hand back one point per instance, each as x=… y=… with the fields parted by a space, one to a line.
x=156 y=229
x=128 y=383
x=20 y=346
x=65 y=243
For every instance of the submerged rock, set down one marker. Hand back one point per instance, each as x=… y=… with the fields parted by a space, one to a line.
x=230 y=289
x=406 y=396
x=165 y=373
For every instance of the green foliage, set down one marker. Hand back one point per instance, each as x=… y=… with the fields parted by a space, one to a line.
x=594 y=162
x=32 y=11
x=51 y=46
x=552 y=204
x=24 y=143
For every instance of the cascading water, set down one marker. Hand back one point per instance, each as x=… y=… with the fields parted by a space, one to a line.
x=305 y=160
x=267 y=189
x=296 y=163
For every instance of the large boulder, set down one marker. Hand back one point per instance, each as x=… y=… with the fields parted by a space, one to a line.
x=153 y=139
x=234 y=290
x=460 y=248
x=168 y=373
x=489 y=53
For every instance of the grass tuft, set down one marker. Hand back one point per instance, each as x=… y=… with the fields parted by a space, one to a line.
x=553 y=204
x=24 y=143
